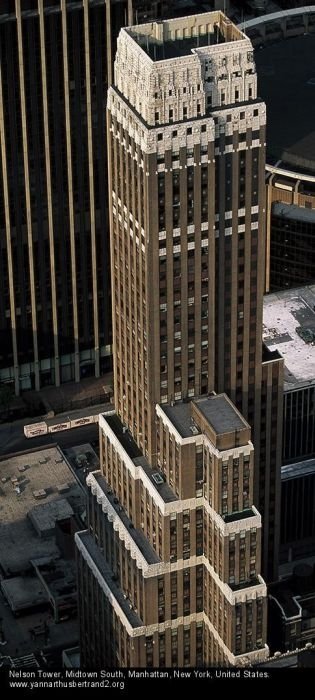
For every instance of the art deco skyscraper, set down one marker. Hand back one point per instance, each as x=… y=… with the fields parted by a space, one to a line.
x=173 y=546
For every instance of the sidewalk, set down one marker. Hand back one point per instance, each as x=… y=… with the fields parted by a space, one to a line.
x=70 y=396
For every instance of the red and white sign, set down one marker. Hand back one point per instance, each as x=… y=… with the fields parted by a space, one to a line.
x=82 y=421
x=59 y=427
x=35 y=429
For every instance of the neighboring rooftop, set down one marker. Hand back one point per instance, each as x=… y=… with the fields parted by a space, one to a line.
x=301 y=155
x=26 y=480
x=181 y=36
x=71 y=657
x=26 y=474
x=82 y=459
x=45 y=516
x=292 y=211
x=286 y=81
x=289 y=327
x=57 y=577
x=295 y=471
x=24 y=592
x=285 y=599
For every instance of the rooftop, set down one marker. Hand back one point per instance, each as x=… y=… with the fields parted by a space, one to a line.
x=283 y=594
x=107 y=574
x=45 y=516
x=301 y=155
x=156 y=478
x=292 y=211
x=82 y=459
x=46 y=474
x=57 y=577
x=161 y=51
x=19 y=543
x=241 y=515
x=294 y=471
x=295 y=594
x=218 y=411
x=123 y=435
x=177 y=37
x=289 y=324
x=23 y=593
x=255 y=581
x=71 y=657
x=136 y=534
x=34 y=631
x=133 y=451
x=221 y=414
x=25 y=474
x=286 y=81
x=180 y=416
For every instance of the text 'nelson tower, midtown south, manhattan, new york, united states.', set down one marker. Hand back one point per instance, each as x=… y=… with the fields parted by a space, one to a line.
x=184 y=510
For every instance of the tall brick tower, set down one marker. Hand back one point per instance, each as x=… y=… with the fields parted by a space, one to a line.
x=173 y=547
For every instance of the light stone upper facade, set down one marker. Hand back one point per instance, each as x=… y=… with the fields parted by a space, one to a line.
x=184 y=86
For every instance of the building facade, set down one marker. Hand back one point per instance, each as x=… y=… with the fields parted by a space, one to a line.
x=297 y=540
x=291 y=602
x=290 y=228
x=289 y=322
x=172 y=514
x=291 y=247
x=56 y=65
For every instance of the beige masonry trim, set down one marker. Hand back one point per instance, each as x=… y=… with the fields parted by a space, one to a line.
x=257 y=654
x=27 y=192
x=151 y=570
x=70 y=189
x=49 y=193
x=8 y=239
x=91 y=184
